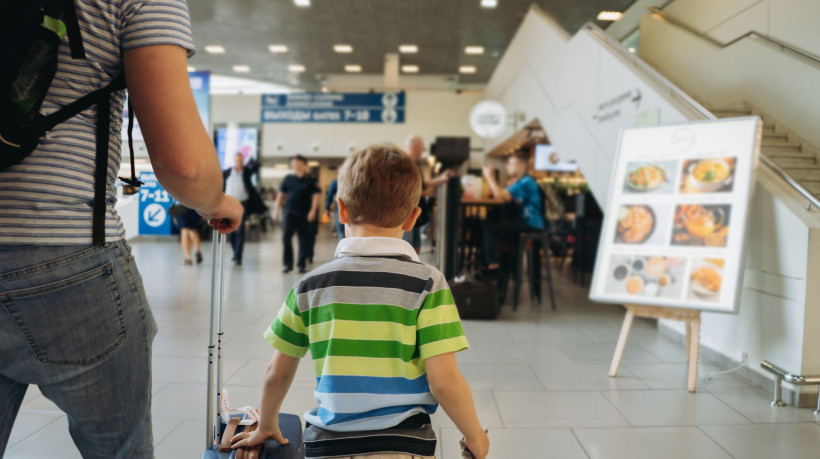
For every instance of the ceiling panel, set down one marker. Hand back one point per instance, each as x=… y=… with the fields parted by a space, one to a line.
x=440 y=28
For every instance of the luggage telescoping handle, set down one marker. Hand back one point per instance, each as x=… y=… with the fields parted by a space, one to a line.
x=212 y=426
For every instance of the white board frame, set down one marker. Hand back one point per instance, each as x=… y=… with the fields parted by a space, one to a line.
x=738 y=138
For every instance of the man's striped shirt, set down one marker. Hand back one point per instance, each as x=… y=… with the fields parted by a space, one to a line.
x=48 y=197
x=369 y=318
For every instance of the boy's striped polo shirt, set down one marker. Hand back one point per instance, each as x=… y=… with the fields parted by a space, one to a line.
x=369 y=318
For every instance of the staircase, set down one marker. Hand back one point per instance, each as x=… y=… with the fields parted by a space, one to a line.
x=795 y=156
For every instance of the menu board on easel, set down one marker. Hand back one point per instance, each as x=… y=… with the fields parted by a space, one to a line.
x=675 y=224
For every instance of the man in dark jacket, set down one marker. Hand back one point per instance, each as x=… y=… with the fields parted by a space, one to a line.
x=300 y=197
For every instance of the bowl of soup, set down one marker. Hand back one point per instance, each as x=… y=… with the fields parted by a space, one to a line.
x=709 y=175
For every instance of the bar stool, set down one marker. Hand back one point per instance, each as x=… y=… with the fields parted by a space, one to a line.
x=533 y=239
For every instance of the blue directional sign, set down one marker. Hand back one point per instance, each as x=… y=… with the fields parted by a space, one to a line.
x=320 y=107
x=154 y=204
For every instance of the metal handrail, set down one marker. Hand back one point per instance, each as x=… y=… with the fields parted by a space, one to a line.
x=781 y=375
x=771 y=40
x=695 y=105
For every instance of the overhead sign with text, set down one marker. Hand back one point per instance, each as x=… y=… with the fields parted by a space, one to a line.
x=320 y=107
x=154 y=204
x=675 y=224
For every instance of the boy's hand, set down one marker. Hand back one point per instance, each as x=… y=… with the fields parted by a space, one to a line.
x=248 y=440
x=480 y=446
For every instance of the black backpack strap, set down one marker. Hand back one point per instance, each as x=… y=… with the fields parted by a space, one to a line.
x=72 y=25
x=101 y=172
x=47 y=123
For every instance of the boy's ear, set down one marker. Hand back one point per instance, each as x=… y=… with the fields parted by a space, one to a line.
x=344 y=218
x=411 y=220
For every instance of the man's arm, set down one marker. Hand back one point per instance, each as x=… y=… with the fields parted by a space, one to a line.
x=280 y=199
x=452 y=392
x=279 y=376
x=498 y=192
x=314 y=206
x=181 y=152
x=430 y=186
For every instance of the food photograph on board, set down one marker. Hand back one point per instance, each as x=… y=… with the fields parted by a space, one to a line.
x=643 y=224
x=650 y=177
x=712 y=175
x=706 y=279
x=646 y=275
x=701 y=225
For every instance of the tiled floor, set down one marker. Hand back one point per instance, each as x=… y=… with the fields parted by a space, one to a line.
x=539 y=377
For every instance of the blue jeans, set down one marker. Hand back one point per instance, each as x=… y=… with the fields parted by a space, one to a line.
x=74 y=320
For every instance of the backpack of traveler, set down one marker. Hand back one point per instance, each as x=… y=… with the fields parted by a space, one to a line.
x=31 y=32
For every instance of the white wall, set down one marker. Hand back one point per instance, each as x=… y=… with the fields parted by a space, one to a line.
x=563 y=82
x=428 y=113
x=777 y=83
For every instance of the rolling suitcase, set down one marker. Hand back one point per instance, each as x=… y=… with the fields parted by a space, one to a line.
x=215 y=424
x=475 y=299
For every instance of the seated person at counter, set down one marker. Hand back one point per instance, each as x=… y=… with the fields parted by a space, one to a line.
x=526 y=194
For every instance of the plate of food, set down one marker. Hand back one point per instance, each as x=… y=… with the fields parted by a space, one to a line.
x=635 y=224
x=709 y=175
x=646 y=178
x=706 y=280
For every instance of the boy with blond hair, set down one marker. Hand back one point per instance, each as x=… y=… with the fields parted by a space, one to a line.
x=381 y=327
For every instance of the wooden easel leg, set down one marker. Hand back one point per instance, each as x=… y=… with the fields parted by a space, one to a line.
x=619 y=349
x=693 y=347
x=688 y=338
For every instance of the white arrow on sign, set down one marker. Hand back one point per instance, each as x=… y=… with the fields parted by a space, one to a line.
x=154 y=215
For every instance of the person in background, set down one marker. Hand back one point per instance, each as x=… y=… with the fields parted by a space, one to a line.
x=75 y=319
x=414 y=146
x=189 y=235
x=382 y=327
x=331 y=200
x=238 y=184
x=299 y=196
x=524 y=192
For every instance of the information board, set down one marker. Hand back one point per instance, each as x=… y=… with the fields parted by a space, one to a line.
x=320 y=107
x=675 y=224
x=154 y=204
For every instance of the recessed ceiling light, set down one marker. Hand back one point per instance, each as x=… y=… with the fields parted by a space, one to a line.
x=353 y=68
x=191 y=69
x=241 y=69
x=278 y=49
x=343 y=48
x=474 y=50
x=302 y=3
x=296 y=68
x=631 y=50
x=609 y=15
x=466 y=69
x=410 y=68
x=489 y=3
x=408 y=49
x=215 y=49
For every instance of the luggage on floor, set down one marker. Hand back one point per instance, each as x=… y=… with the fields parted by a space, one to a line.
x=220 y=419
x=475 y=299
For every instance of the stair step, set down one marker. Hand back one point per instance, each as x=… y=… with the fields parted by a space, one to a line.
x=786 y=152
x=730 y=113
x=803 y=163
x=804 y=175
x=778 y=142
x=772 y=134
